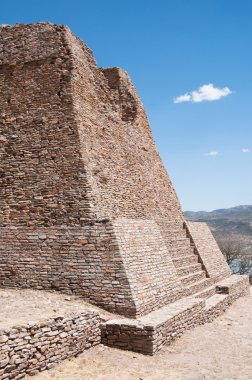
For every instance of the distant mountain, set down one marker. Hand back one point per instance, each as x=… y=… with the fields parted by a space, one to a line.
x=233 y=223
x=240 y=212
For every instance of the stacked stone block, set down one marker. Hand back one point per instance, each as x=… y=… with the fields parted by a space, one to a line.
x=36 y=346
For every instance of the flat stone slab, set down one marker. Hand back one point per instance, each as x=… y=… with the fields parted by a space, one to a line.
x=162 y=315
x=159 y=316
x=214 y=300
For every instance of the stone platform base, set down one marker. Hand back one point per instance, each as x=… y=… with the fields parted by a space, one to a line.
x=28 y=348
x=149 y=333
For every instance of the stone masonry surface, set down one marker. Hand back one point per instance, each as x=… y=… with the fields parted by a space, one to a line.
x=36 y=346
x=86 y=205
x=81 y=260
x=149 y=333
x=208 y=250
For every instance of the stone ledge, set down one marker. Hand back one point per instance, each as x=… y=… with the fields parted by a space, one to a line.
x=228 y=291
x=231 y=284
x=151 y=332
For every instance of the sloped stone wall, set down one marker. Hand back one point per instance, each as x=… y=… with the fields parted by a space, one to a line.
x=121 y=265
x=208 y=250
x=125 y=171
x=152 y=276
x=43 y=179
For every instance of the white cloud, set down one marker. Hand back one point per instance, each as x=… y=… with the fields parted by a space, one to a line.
x=207 y=92
x=212 y=153
x=183 y=98
x=245 y=150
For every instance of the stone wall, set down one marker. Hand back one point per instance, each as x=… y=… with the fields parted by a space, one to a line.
x=125 y=171
x=152 y=275
x=36 y=346
x=81 y=260
x=75 y=139
x=121 y=265
x=147 y=337
x=208 y=250
x=43 y=179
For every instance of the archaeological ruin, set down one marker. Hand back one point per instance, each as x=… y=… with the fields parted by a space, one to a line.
x=86 y=205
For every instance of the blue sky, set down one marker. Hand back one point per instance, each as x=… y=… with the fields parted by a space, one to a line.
x=171 y=48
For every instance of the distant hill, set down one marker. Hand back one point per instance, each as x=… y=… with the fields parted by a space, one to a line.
x=228 y=224
x=231 y=220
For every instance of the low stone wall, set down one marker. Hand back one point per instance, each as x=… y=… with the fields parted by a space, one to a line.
x=37 y=346
x=129 y=337
x=148 y=335
x=230 y=290
x=177 y=326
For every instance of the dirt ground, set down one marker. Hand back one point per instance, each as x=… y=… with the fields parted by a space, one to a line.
x=220 y=350
x=20 y=306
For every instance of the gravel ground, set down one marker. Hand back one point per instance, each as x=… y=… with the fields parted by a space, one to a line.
x=220 y=350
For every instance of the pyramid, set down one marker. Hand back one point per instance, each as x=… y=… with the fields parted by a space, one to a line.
x=86 y=205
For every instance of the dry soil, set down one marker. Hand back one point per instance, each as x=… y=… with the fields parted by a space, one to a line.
x=220 y=350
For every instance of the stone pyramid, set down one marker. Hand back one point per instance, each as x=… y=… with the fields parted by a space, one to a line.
x=86 y=205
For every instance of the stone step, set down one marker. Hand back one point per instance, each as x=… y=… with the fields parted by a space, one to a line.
x=215 y=306
x=231 y=288
x=149 y=333
x=180 y=251
x=173 y=234
x=173 y=231
x=206 y=293
x=193 y=277
x=175 y=247
x=184 y=260
x=230 y=285
x=198 y=286
x=188 y=269
x=177 y=239
x=177 y=244
x=215 y=300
